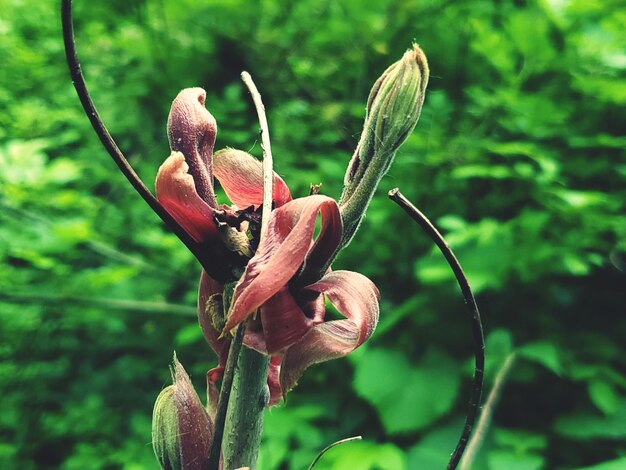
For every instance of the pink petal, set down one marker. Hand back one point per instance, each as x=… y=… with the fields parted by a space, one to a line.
x=356 y=297
x=282 y=252
x=208 y=287
x=283 y=320
x=273 y=381
x=191 y=130
x=241 y=176
x=176 y=191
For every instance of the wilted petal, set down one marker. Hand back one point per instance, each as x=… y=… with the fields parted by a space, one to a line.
x=356 y=297
x=273 y=381
x=207 y=288
x=212 y=397
x=241 y=176
x=282 y=252
x=191 y=130
x=176 y=191
x=284 y=322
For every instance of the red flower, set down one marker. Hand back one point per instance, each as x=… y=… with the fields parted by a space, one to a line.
x=284 y=281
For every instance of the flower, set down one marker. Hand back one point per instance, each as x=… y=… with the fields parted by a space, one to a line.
x=285 y=277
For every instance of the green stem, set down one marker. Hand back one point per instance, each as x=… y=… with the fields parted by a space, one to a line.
x=244 y=419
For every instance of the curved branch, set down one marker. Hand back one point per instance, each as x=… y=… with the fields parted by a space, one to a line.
x=203 y=256
x=477 y=329
x=327 y=448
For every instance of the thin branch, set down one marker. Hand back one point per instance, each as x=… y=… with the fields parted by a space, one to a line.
x=477 y=330
x=108 y=304
x=342 y=441
x=487 y=413
x=109 y=144
x=222 y=404
x=268 y=172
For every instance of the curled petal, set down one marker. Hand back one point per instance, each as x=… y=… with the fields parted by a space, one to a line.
x=176 y=191
x=191 y=130
x=356 y=297
x=282 y=252
x=241 y=176
x=284 y=322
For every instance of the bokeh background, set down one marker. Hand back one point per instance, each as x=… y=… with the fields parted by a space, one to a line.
x=519 y=158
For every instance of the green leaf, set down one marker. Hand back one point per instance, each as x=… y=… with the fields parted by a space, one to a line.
x=407 y=398
x=363 y=455
x=584 y=426
x=500 y=459
x=608 y=465
x=433 y=450
x=544 y=353
x=604 y=396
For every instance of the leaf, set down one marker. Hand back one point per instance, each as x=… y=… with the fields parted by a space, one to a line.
x=544 y=353
x=499 y=460
x=603 y=395
x=433 y=450
x=608 y=465
x=583 y=426
x=519 y=440
x=363 y=455
x=407 y=398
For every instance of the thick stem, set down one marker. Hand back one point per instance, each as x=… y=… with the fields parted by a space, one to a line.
x=249 y=397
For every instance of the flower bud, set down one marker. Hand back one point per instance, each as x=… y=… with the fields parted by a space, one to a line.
x=181 y=427
x=393 y=109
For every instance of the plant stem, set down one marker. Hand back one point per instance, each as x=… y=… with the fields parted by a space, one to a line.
x=327 y=448
x=244 y=419
x=477 y=328
x=224 y=400
x=268 y=171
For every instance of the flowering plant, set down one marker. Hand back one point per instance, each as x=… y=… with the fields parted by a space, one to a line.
x=266 y=265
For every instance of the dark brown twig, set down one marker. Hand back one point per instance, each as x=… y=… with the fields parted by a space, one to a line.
x=204 y=256
x=477 y=330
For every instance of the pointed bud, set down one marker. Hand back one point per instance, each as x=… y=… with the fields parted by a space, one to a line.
x=393 y=109
x=181 y=427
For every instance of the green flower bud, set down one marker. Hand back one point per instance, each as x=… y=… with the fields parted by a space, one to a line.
x=393 y=109
x=181 y=427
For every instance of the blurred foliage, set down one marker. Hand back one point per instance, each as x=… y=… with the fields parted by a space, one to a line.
x=519 y=158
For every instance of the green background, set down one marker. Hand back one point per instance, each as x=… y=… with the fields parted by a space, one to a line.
x=518 y=158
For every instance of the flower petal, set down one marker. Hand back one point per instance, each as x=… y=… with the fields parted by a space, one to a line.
x=281 y=253
x=284 y=322
x=273 y=381
x=241 y=176
x=356 y=297
x=176 y=191
x=207 y=288
x=191 y=130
